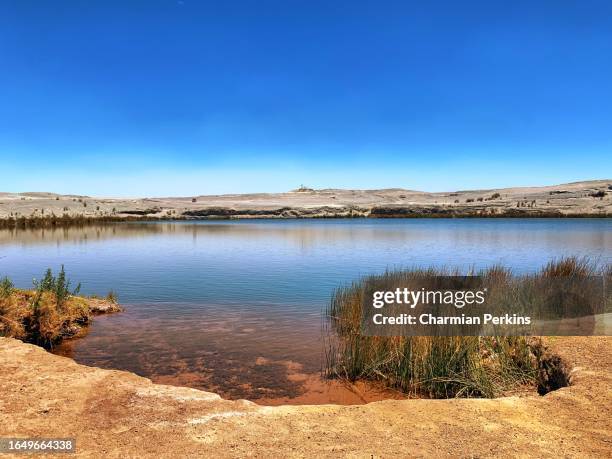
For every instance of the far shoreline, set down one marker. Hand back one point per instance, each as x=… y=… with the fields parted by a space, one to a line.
x=68 y=221
x=589 y=199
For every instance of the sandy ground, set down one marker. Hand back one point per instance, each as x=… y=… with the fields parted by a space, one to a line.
x=118 y=414
x=572 y=198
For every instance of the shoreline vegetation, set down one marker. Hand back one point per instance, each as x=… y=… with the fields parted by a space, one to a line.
x=590 y=199
x=231 y=214
x=50 y=312
x=64 y=221
x=420 y=366
x=453 y=366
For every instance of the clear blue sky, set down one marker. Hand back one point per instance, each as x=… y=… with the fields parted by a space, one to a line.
x=166 y=97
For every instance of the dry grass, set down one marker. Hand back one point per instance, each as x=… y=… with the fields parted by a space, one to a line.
x=48 y=314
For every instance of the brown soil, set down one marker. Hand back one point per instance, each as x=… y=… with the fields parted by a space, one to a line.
x=118 y=414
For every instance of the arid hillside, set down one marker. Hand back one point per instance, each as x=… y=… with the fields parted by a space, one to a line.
x=592 y=198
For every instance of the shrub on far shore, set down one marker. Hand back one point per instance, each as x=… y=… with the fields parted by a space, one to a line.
x=598 y=194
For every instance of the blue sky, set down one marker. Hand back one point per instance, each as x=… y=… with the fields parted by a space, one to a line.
x=135 y=98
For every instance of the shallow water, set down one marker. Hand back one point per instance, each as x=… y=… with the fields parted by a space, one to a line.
x=235 y=306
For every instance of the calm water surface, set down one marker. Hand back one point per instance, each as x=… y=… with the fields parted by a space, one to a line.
x=235 y=307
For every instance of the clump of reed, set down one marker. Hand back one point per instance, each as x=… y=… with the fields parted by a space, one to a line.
x=45 y=315
x=443 y=366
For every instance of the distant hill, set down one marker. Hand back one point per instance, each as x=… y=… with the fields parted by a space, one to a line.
x=589 y=198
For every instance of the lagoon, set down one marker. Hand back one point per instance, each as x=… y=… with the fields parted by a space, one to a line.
x=235 y=306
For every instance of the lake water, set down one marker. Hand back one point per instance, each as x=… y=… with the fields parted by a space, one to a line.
x=235 y=306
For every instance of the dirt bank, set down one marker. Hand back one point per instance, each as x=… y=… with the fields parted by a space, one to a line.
x=46 y=317
x=118 y=414
x=590 y=198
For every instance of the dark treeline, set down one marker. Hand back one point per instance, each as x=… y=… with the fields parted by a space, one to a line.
x=65 y=220
x=217 y=213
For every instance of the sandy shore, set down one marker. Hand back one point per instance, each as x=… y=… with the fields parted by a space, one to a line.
x=580 y=198
x=118 y=414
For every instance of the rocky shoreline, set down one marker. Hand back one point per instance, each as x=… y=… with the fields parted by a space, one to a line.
x=119 y=414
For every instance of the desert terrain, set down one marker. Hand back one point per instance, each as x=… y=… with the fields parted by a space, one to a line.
x=119 y=414
x=590 y=198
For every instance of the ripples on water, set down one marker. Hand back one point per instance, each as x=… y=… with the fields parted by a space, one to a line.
x=235 y=306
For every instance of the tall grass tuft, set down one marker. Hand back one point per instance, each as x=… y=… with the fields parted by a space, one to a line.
x=58 y=286
x=6 y=287
x=442 y=367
